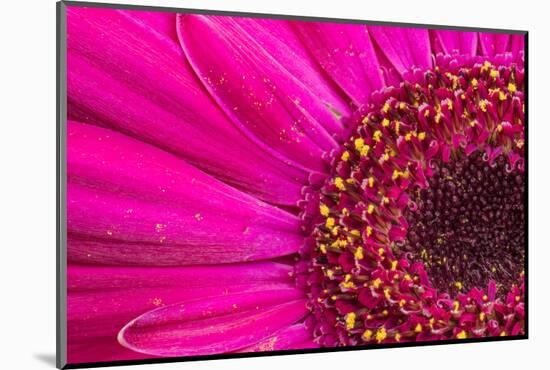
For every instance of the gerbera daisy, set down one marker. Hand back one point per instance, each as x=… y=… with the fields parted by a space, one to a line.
x=247 y=184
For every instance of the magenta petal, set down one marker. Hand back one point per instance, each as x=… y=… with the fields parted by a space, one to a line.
x=271 y=105
x=517 y=44
x=217 y=325
x=293 y=337
x=101 y=300
x=126 y=71
x=493 y=43
x=131 y=203
x=405 y=48
x=346 y=53
x=457 y=41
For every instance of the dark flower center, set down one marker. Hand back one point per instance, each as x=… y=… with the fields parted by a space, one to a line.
x=419 y=231
x=468 y=226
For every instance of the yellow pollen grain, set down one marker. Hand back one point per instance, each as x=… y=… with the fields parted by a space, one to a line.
x=369 y=231
x=408 y=137
x=482 y=316
x=393 y=265
x=324 y=209
x=371 y=181
x=418 y=328
x=345 y=156
x=462 y=335
x=502 y=333
x=422 y=136
x=380 y=251
x=426 y=113
x=485 y=298
x=407 y=277
x=370 y=209
x=494 y=73
x=376 y=283
x=365 y=120
x=385 y=122
x=456 y=306
x=474 y=82
x=501 y=96
x=386 y=108
x=458 y=285
x=499 y=127
x=358 y=143
x=330 y=274
x=402 y=303
x=367 y=335
x=483 y=105
x=329 y=223
x=364 y=150
x=350 y=320
x=402 y=105
x=387 y=293
x=323 y=248
x=339 y=183
x=381 y=334
x=347 y=285
x=359 y=253
x=512 y=87
x=355 y=232
x=377 y=135
x=397 y=337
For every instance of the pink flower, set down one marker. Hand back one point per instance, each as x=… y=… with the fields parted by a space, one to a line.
x=240 y=184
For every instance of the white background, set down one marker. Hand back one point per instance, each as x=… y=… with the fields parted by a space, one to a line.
x=27 y=182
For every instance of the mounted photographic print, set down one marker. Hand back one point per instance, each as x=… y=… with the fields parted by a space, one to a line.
x=236 y=184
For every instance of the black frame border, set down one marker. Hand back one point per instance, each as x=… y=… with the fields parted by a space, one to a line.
x=61 y=216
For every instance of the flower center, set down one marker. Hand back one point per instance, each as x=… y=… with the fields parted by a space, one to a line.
x=419 y=231
x=468 y=226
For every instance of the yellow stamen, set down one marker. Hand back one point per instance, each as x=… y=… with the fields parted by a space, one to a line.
x=381 y=334
x=358 y=143
x=350 y=320
x=371 y=181
x=462 y=335
x=364 y=150
x=367 y=335
x=324 y=209
x=339 y=183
